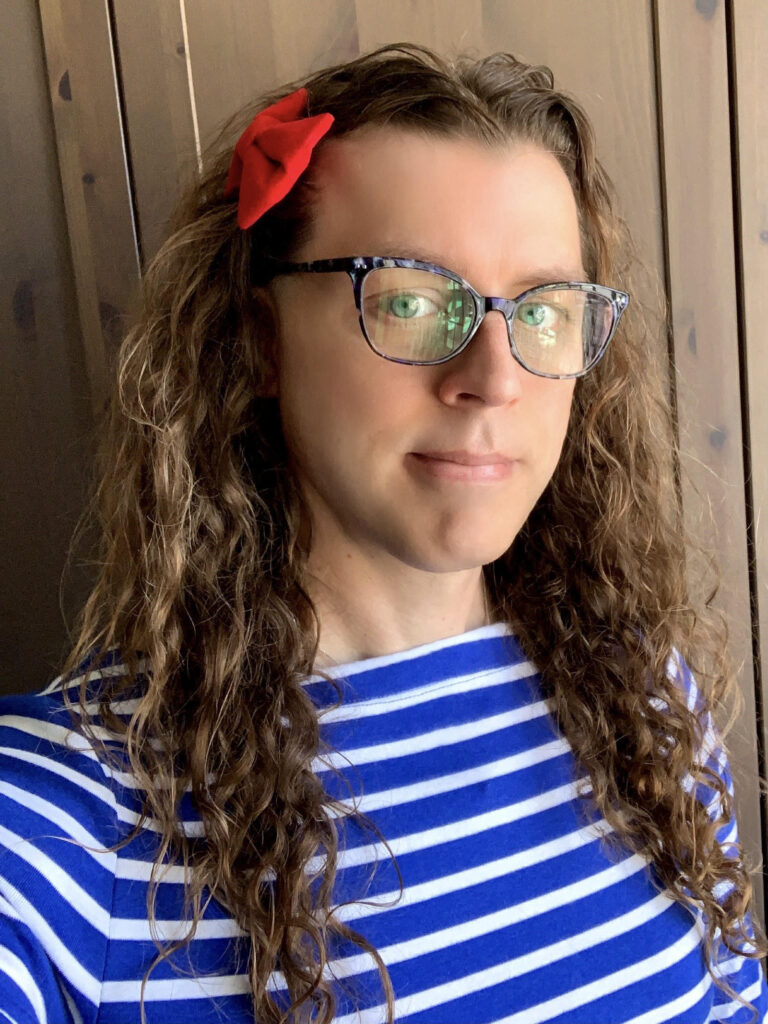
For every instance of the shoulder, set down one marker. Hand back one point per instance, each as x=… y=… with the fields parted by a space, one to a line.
x=53 y=776
x=59 y=822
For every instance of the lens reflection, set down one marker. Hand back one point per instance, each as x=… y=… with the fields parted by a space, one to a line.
x=423 y=316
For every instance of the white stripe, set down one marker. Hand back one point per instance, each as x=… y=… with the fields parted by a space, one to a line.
x=459 y=987
x=68 y=965
x=77 y=1017
x=104 y=793
x=96 y=789
x=402 y=657
x=669 y=1011
x=60 y=735
x=725 y=1010
x=32 y=802
x=453 y=830
x=208 y=987
x=4 y=1016
x=138 y=929
x=731 y=966
x=446 y=736
x=443 y=884
x=7 y=910
x=391 y=798
x=78 y=899
x=141 y=870
x=119 y=707
x=638 y=971
x=451 y=687
x=18 y=972
x=92 y=676
x=422 y=945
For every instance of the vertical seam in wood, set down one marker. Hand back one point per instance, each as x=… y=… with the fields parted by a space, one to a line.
x=658 y=99
x=124 y=133
x=741 y=330
x=191 y=84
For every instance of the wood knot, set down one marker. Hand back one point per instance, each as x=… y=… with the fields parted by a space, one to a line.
x=65 y=90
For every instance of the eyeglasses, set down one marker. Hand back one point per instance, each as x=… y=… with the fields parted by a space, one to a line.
x=421 y=314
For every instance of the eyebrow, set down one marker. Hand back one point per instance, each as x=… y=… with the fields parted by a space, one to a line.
x=533 y=276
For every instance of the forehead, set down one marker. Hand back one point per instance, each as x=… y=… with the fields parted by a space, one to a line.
x=479 y=209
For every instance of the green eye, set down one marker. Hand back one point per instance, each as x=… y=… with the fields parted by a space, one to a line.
x=533 y=314
x=405 y=306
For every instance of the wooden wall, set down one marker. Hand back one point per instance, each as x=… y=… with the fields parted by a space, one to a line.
x=106 y=105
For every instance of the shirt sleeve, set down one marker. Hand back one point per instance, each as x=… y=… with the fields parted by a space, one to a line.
x=29 y=990
x=744 y=975
x=57 y=814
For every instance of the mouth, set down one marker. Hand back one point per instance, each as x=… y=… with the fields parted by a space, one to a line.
x=464 y=458
x=463 y=466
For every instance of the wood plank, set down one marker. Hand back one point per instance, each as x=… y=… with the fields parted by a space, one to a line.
x=750 y=46
x=232 y=57
x=46 y=413
x=92 y=165
x=693 y=74
x=159 y=109
x=327 y=35
x=252 y=46
x=617 y=90
x=448 y=26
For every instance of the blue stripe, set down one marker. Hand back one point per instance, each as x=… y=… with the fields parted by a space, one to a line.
x=453 y=684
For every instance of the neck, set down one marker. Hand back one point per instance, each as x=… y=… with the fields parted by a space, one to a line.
x=364 y=615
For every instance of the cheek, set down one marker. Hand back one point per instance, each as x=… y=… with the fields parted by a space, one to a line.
x=558 y=408
x=335 y=395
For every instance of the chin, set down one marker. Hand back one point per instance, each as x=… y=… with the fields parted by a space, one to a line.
x=460 y=558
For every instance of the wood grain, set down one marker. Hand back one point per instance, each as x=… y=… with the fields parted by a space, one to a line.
x=93 y=171
x=637 y=66
x=448 y=26
x=254 y=47
x=602 y=53
x=697 y=174
x=159 y=110
x=750 y=47
x=45 y=411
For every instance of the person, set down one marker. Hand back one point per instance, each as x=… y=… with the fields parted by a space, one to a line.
x=389 y=701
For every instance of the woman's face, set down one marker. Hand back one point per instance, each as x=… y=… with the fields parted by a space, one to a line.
x=357 y=425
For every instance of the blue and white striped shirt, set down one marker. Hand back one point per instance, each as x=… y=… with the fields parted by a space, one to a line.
x=513 y=910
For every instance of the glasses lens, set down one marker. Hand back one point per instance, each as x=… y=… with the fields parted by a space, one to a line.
x=415 y=315
x=562 y=330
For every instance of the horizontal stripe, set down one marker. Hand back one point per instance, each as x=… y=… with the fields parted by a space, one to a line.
x=139 y=930
x=429 y=999
x=450 y=783
x=515 y=889
x=160 y=990
x=485 y=872
x=452 y=687
x=455 y=829
x=669 y=1011
x=643 y=969
x=492 y=922
x=432 y=740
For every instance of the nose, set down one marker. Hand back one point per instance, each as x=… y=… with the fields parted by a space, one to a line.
x=486 y=370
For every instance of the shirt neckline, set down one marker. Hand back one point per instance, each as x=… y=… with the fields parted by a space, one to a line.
x=382 y=660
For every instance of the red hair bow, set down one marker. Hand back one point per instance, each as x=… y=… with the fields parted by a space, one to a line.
x=272 y=154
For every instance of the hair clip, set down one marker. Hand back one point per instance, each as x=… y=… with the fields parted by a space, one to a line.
x=272 y=154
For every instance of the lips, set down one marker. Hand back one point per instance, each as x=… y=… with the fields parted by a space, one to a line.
x=454 y=467
x=464 y=458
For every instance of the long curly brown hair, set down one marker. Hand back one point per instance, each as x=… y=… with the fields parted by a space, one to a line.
x=205 y=539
